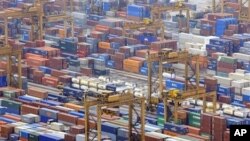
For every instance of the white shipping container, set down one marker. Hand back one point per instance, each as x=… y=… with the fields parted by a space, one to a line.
x=236 y=76
x=224 y=80
x=239 y=113
x=195 y=51
x=229 y=111
x=240 y=83
x=241 y=56
x=75 y=80
x=77 y=86
x=246 y=91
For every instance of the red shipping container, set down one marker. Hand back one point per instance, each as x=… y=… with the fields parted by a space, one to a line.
x=26 y=109
x=229 y=32
x=37 y=92
x=40 y=43
x=65 y=79
x=30 y=44
x=67 y=118
x=78 y=129
x=36 y=62
x=86 y=71
x=58 y=73
x=50 y=81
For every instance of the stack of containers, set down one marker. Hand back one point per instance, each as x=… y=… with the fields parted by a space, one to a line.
x=245 y=48
x=83 y=49
x=118 y=57
x=218 y=127
x=222 y=25
x=219 y=45
x=80 y=19
x=136 y=12
x=206 y=125
x=236 y=42
x=144 y=68
x=103 y=47
x=225 y=94
x=209 y=24
x=12 y=106
x=110 y=130
x=47 y=114
x=171 y=28
x=194 y=118
x=173 y=84
x=246 y=94
x=3 y=78
x=226 y=65
x=160 y=114
x=68 y=45
x=133 y=64
x=94 y=44
x=86 y=64
x=159 y=45
x=74 y=65
x=239 y=85
x=212 y=63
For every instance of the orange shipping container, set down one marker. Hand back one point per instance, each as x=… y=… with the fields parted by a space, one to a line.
x=35 y=61
x=144 y=52
x=132 y=65
x=102 y=28
x=193 y=130
x=104 y=45
x=129 y=68
x=170 y=133
x=50 y=81
x=23 y=139
x=37 y=92
x=61 y=33
x=73 y=106
x=92 y=124
x=12 y=117
x=31 y=55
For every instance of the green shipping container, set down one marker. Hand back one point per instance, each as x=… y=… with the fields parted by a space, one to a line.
x=9 y=94
x=160 y=121
x=34 y=136
x=194 y=116
x=227 y=59
x=194 y=119
x=195 y=124
x=206 y=135
x=10 y=103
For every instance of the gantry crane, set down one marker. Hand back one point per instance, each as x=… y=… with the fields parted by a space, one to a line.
x=190 y=91
x=244 y=14
x=109 y=99
x=54 y=18
x=156 y=11
x=145 y=24
x=7 y=50
x=96 y=6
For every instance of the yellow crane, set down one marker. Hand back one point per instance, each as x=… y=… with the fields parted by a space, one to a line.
x=109 y=99
x=7 y=50
x=156 y=11
x=244 y=12
x=54 y=18
x=145 y=24
x=190 y=90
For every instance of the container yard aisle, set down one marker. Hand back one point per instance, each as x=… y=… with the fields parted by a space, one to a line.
x=119 y=70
